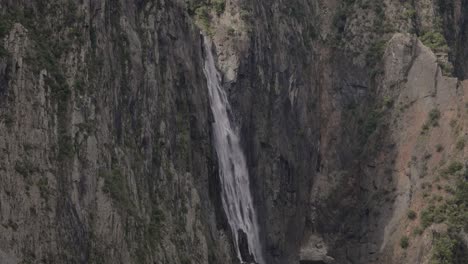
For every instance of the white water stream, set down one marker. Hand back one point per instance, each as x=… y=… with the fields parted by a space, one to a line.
x=236 y=196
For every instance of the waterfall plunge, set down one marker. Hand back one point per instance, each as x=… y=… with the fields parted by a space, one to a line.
x=236 y=196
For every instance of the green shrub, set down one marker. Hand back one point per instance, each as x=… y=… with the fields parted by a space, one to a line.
x=453 y=123
x=457 y=208
x=410 y=13
x=432 y=120
x=439 y=148
x=435 y=40
x=219 y=6
x=454 y=167
x=449 y=189
x=461 y=144
x=24 y=168
x=447 y=68
x=454 y=211
x=231 y=31
x=434 y=116
x=412 y=215
x=5 y=26
x=427 y=216
x=155 y=225
x=444 y=250
x=375 y=53
x=203 y=12
x=371 y=123
x=439 y=215
x=418 y=231
x=202 y=15
x=404 y=242
x=461 y=193
x=245 y=15
x=388 y=101
x=3 y=51
x=115 y=185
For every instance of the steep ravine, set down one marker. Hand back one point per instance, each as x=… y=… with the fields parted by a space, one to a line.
x=351 y=115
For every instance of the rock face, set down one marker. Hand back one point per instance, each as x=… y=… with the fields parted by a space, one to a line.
x=105 y=139
x=315 y=251
x=245 y=252
x=351 y=115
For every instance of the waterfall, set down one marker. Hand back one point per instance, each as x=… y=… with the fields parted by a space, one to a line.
x=236 y=196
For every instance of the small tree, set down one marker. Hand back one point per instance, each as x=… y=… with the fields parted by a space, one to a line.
x=404 y=242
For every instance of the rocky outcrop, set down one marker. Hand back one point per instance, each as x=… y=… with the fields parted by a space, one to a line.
x=315 y=251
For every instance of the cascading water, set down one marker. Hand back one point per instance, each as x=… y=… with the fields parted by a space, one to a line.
x=236 y=196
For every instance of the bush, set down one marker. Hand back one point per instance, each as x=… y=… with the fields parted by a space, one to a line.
x=432 y=120
x=115 y=185
x=439 y=148
x=204 y=10
x=371 y=123
x=3 y=52
x=447 y=68
x=202 y=15
x=434 y=116
x=461 y=193
x=461 y=144
x=418 y=231
x=435 y=41
x=5 y=26
x=24 y=168
x=388 y=102
x=155 y=225
x=454 y=167
x=410 y=13
x=404 y=242
x=444 y=250
x=454 y=211
x=231 y=31
x=376 y=51
x=457 y=208
x=412 y=215
x=219 y=6
x=427 y=216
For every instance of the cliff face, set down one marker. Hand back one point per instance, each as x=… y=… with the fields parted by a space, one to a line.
x=351 y=115
x=105 y=136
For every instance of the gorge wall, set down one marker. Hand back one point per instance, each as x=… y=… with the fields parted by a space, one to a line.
x=351 y=115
